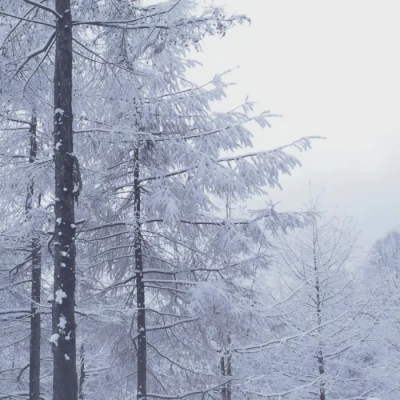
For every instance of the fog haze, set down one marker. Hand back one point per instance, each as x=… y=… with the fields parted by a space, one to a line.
x=332 y=68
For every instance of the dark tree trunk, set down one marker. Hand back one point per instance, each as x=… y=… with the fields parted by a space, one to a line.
x=65 y=385
x=320 y=353
x=321 y=369
x=34 y=350
x=223 y=373
x=34 y=359
x=226 y=370
x=229 y=370
x=140 y=291
x=82 y=375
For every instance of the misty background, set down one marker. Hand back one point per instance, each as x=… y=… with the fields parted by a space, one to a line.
x=332 y=69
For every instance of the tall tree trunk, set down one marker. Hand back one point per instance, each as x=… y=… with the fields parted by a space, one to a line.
x=34 y=351
x=226 y=370
x=229 y=369
x=320 y=354
x=226 y=361
x=82 y=375
x=34 y=357
x=65 y=385
x=223 y=373
x=140 y=290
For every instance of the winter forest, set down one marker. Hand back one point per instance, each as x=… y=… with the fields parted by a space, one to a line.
x=132 y=265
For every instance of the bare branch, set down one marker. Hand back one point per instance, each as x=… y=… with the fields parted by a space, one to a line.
x=37 y=52
x=21 y=121
x=188 y=394
x=43 y=7
x=131 y=21
x=266 y=345
x=27 y=19
x=39 y=64
x=171 y=325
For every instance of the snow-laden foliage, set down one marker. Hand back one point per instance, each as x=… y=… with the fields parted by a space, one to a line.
x=172 y=299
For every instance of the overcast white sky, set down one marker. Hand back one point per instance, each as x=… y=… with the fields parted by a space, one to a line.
x=332 y=68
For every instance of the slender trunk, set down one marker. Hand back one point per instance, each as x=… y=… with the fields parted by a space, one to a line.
x=34 y=350
x=140 y=291
x=320 y=354
x=226 y=370
x=321 y=369
x=34 y=359
x=229 y=369
x=223 y=373
x=65 y=385
x=82 y=372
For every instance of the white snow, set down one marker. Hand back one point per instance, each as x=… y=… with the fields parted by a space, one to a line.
x=60 y=295
x=63 y=322
x=54 y=339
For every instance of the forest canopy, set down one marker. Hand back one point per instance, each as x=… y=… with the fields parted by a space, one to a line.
x=131 y=265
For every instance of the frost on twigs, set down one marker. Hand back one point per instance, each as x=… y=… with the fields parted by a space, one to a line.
x=159 y=164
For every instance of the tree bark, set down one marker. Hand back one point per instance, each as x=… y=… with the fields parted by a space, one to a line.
x=320 y=354
x=34 y=350
x=82 y=372
x=229 y=370
x=34 y=357
x=65 y=385
x=140 y=290
x=226 y=370
x=223 y=373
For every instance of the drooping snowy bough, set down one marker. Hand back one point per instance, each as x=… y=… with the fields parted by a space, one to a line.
x=156 y=256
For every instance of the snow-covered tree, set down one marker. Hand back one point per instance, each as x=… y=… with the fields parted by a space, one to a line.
x=318 y=338
x=153 y=157
x=381 y=283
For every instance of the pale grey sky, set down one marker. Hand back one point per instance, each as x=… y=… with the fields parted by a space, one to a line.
x=332 y=68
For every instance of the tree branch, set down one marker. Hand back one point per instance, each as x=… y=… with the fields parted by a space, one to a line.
x=43 y=7
x=301 y=144
x=26 y=19
x=37 y=52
